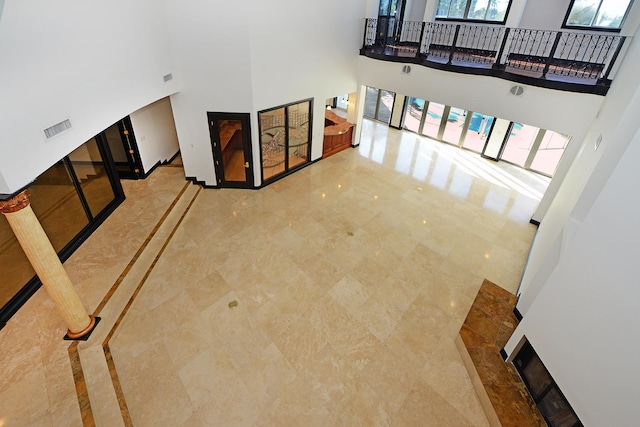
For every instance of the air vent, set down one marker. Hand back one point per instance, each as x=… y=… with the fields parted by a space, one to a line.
x=168 y=77
x=516 y=90
x=406 y=69
x=57 y=129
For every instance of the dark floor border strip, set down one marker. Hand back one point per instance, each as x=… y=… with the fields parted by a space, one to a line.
x=81 y=386
x=133 y=260
x=74 y=356
x=124 y=409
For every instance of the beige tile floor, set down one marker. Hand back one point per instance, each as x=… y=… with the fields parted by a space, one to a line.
x=352 y=278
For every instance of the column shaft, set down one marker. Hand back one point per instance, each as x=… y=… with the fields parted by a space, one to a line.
x=45 y=262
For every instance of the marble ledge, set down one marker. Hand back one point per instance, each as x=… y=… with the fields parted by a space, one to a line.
x=489 y=324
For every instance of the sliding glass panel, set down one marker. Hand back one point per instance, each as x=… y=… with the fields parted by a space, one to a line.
x=479 y=128
x=371 y=102
x=57 y=205
x=519 y=143
x=413 y=115
x=90 y=170
x=454 y=126
x=385 y=106
x=273 y=140
x=433 y=120
x=15 y=267
x=550 y=152
x=298 y=126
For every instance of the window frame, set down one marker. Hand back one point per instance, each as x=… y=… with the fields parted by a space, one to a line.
x=594 y=28
x=474 y=21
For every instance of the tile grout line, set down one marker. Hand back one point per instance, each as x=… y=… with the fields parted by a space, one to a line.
x=74 y=357
x=144 y=245
x=126 y=416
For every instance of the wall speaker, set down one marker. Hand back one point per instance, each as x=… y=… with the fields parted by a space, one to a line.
x=516 y=90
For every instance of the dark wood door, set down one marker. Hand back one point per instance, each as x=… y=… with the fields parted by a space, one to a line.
x=231 y=144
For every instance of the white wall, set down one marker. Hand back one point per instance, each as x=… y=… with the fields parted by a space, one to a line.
x=584 y=322
x=564 y=112
x=258 y=55
x=544 y=14
x=155 y=133
x=616 y=122
x=89 y=62
x=210 y=43
x=415 y=10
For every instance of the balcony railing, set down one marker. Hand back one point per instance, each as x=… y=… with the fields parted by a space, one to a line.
x=567 y=60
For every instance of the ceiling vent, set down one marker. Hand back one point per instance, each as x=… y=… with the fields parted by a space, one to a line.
x=406 y=69
x=516 y=90
x=57 y=129
x=168 y=77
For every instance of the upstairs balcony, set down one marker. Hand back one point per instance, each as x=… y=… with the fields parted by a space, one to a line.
x=565 y=60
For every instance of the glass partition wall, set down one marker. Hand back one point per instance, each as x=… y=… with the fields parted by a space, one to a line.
x=70 y=199
x=285 y=136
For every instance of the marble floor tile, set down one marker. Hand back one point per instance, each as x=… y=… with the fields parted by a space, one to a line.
x=331 y=297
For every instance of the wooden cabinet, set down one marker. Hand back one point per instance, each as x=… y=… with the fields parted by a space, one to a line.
x=338 y=134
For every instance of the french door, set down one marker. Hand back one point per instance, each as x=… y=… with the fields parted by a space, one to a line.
x=231 y=145
x=378 y=104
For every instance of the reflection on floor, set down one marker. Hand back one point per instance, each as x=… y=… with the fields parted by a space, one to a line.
x=331 y=297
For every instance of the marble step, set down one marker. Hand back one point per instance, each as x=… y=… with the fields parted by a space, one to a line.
x=103 y=396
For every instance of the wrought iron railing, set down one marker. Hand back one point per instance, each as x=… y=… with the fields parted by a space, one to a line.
x=569 y=56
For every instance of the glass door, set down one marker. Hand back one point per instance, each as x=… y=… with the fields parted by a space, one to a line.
x=433 y=120
x=378 y=104
x=519 y=144
x=231 y=143
x=124 y=149
x=454 y=125
x=476 y=136
x=413 y=117
x=549 y=152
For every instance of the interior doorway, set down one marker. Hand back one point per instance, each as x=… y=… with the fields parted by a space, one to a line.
x=121 y=141
x=231 y=144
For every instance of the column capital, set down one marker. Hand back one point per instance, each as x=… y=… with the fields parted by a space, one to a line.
x=15 y=203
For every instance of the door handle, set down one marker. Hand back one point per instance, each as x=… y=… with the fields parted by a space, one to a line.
x=246 y=165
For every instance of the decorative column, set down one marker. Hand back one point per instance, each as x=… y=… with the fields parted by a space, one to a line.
x=45 y=262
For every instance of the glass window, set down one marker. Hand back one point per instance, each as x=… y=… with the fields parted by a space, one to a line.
x=477 y=10
x=272 y=140
x=57 y=205
x=284 y=138
x=597 y=14
x=15 y=266
x=91 y=172
x=298 y=130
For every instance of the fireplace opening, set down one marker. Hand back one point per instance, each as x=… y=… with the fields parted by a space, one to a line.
x=550 y=401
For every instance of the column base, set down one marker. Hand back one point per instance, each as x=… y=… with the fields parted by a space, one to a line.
x=84 y=334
